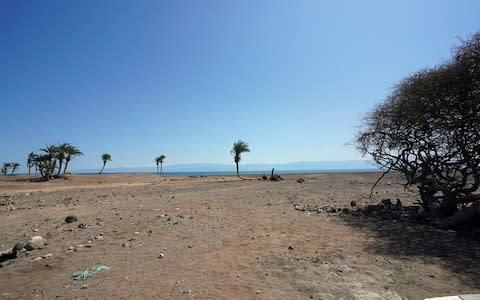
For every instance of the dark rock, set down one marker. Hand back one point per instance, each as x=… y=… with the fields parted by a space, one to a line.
x=82 y=226
x=275 y=177
x=290 y=248
x=398 y=204
x=386 y=202
x=264 y=177
x=19 y=246
x=300 y=180
x=71 y=219
x=353 y=203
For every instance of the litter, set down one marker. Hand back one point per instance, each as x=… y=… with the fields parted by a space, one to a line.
x=89 y=273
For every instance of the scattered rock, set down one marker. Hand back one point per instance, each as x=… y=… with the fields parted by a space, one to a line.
x=161 y=255
x=82 y=226
x=353 y=203
x=71 y=219
x=300 y=180
x=290 y=248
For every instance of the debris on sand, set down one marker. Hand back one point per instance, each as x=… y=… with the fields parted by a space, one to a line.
x=89 y=273
x=385 y=210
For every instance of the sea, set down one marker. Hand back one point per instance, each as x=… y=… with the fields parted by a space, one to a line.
x=266 y=172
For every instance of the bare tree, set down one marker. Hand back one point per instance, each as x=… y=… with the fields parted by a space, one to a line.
x=428 y=128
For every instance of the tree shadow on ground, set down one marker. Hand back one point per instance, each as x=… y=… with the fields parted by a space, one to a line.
x=459 y=251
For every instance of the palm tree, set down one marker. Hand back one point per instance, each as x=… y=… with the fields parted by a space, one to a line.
x=51 y=154
x=238 y=148
x=105 y=157
x=159 y=160
x=14 y=166
x=61 y=154
x=31 y=161
x=71 y=152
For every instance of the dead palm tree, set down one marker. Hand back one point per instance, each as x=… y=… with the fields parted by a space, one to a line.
x=237 y=149
x=159 y=160
x=105 y=157
x=71 y=152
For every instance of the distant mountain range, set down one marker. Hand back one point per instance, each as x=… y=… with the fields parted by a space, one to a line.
x=340 y=165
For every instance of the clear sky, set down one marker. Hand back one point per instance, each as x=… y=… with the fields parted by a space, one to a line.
x=188 y=78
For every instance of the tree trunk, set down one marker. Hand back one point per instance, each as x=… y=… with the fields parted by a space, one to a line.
x=157 y=169
x=66 y=165
x=29 y=167
x=161 y=168
x=464 y=216
x=238 y=173
x=104 y=163
x=60 y=166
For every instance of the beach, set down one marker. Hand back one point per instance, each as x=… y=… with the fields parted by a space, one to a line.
x=221 y=237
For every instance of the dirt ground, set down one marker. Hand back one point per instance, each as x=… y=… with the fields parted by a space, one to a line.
x=224 y=238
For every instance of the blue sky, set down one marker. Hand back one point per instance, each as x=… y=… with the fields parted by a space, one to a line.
x=188 y=78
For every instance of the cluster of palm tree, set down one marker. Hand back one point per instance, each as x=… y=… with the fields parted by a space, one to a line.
x=53 y=160
x=8 y=165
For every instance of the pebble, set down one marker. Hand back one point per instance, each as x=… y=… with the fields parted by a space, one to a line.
x=161 y=255
x=35 y=230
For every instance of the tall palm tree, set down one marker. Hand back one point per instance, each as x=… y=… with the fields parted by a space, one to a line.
x=105 y=157
x=14 y=166
x=71 y=152
x=237 y=149
x=30 y=161
x=159 y=160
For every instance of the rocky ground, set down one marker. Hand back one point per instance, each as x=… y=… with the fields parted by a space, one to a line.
x=226 y=238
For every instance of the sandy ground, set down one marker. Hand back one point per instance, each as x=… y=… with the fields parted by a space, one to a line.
x=224 y=238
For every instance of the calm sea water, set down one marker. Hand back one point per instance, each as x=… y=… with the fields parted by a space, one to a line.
x=226 y=173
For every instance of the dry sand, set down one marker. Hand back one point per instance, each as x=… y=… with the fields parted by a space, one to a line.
x=224 y=238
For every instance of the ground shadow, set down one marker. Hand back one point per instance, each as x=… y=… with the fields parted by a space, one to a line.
x=459 y=251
